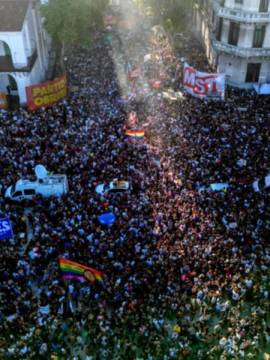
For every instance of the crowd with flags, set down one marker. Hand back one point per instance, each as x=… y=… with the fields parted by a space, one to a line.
x=179 y=273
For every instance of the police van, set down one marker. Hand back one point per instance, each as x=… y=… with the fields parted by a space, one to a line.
x=53 y=185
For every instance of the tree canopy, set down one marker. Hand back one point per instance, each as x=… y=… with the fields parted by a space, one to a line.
x=70 y=22
x=169 y=13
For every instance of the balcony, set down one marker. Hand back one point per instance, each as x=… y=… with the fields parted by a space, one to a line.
x=6 y=64
x=240 y=51
x=240 y=15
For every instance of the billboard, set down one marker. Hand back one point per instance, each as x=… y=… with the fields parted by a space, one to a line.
x=46 y=94
x=3 y=101
x=203 y=85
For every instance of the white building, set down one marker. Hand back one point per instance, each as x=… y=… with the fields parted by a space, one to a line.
x=24 y=47
x=236 y=36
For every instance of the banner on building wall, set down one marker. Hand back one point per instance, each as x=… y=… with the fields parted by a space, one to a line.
x=203 y=85
x=3 y=101
x=46 y=94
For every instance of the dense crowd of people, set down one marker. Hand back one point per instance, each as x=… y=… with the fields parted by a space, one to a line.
x=186 y=272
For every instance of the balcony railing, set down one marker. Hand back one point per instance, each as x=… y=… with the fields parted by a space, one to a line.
x=240 y=51
x=240 y=15
x=6 y=64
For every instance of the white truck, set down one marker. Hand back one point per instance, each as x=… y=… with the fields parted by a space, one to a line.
x=52 y=185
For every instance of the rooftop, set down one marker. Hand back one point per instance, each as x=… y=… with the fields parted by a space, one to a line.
x=12 y=14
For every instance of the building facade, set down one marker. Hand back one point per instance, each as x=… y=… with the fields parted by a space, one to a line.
x=24 y=47
x=236 y=37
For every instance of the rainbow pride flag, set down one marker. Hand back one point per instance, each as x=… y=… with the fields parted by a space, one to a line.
x=135 y=134
x=73 y=270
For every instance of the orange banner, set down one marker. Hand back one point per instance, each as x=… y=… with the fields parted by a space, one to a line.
x=3 y=101
x=47 y=93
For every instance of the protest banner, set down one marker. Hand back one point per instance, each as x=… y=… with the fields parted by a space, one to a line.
x=3 y=101
x=46 y=94
x=6 y=231
x=203 y=85
x=74 y=270
x=135 y=134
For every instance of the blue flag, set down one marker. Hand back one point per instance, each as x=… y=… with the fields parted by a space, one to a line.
x=5 y=229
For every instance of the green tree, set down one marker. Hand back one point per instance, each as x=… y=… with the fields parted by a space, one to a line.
x=172 y=14
x=71 y=22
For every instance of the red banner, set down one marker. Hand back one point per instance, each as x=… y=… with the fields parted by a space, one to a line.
x=47 y=93
x=3 y=101
x=202 y=84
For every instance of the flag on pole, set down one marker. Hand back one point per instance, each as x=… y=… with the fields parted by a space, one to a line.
x=135 y=134
x=73 y=270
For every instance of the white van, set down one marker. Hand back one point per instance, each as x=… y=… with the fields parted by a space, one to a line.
x=53 y=185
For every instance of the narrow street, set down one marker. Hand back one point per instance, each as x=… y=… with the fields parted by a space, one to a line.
x=141 y=258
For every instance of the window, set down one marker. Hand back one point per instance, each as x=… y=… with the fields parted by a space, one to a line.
x=17 y=193
x=264 y=5
x=234 y=33
x=7 y=49
x=219 y=28
x=258 y=37
x=238 y=1
x=12 y=83
x=13 y=189
x=29 y=192
x=261 y=184
x=117 y=190
x=253 y=72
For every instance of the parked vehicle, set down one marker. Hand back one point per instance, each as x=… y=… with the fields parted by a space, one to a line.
x=214 y=187
x=53 y=185
x=114 y=186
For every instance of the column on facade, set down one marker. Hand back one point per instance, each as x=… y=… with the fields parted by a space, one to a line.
x=29 y=42
x=38 y=42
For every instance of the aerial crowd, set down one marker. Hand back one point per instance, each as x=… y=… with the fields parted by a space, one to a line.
x=186 y=272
